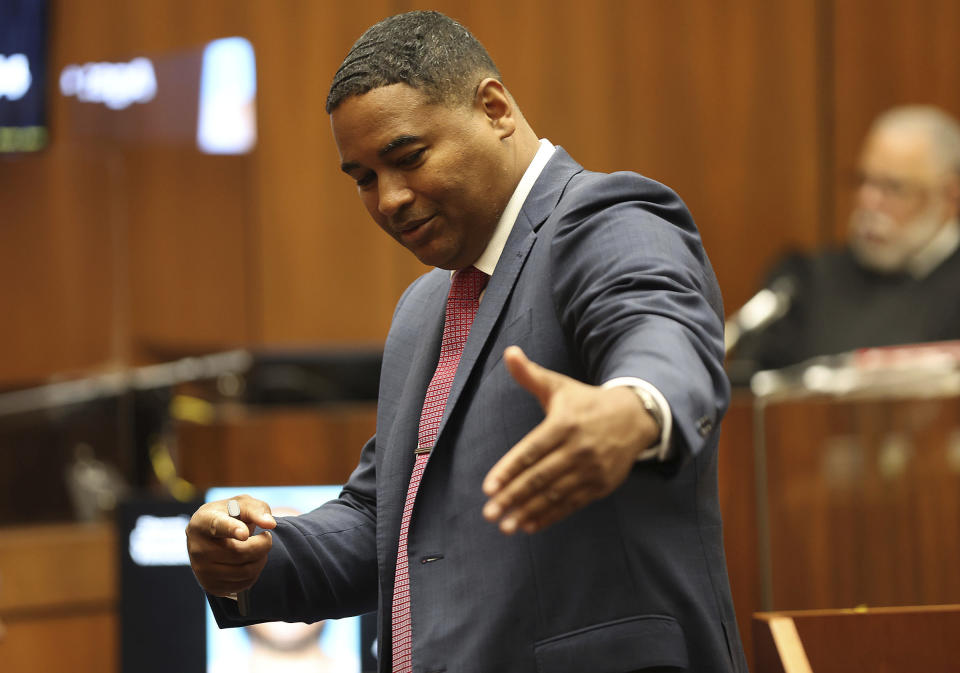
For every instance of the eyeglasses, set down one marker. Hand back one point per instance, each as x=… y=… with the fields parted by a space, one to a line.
x=890 y=188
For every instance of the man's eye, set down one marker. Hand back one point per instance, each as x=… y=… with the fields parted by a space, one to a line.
x=365 y=180
x=412 y=158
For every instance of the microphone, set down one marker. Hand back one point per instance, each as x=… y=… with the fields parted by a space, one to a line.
x=765 y=307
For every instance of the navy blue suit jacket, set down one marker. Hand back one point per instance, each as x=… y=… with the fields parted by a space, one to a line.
x=602 y=276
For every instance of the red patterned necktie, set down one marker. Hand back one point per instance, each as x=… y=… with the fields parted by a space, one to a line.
x=462 y=303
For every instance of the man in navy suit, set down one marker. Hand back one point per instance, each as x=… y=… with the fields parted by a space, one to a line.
x=566 y=518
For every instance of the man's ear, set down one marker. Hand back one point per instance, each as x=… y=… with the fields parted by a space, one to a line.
x=497 y=106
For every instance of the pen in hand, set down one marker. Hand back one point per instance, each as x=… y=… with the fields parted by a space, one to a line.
x=243 y=597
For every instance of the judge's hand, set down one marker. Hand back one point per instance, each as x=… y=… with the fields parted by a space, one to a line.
x=224 y=553
x=581 y=451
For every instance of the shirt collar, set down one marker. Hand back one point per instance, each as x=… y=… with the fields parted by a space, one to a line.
x=487 y=262
x=941 y=246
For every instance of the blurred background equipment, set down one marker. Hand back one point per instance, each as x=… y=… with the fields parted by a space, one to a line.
x=763 y=309
x=74 y=449
x=95 y=487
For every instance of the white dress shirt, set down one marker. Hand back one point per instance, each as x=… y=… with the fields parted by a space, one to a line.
x=487 y=262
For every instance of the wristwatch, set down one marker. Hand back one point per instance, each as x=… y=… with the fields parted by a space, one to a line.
x=651 y=407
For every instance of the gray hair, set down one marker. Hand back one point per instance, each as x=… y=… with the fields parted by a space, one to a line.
x=941 y=128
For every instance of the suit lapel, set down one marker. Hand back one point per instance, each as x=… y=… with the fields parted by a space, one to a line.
x=399 y=445
x=540 y=202
x=399 y=448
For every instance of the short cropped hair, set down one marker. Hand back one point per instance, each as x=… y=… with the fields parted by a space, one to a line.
x=425 y=50
x=942 y=129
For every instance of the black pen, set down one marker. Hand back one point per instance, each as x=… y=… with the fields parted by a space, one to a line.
x=243 y=597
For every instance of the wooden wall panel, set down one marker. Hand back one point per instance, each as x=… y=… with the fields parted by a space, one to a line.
x=327 y=273
x=110 y=245
x=188 y=215
x=306 y=446
x=737 y=497
x=58 y=241
x=34 y=576
x=58 y=593
x=111 y=250
x=717 y=100
x=187 y=261
x=880 y=640
x=78 y=643
x=864 y=502
x=57 y=267
x=887 y=53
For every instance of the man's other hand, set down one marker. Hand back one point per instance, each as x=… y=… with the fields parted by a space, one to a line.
x=224 y=553
x=581 y=451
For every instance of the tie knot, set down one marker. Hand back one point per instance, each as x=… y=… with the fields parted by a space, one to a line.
x=467 y=284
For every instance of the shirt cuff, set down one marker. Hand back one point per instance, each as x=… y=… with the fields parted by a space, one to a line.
x=661 y=450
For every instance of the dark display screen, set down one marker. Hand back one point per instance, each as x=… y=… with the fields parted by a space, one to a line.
x=23 y=66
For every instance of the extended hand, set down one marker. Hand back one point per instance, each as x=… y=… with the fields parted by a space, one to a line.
x=224 y=553
x=581 y=451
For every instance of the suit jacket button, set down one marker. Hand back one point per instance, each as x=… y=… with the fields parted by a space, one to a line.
x=704 y=426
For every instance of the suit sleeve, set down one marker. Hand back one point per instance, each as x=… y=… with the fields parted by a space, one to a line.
x=636 y=292
x=323 y=564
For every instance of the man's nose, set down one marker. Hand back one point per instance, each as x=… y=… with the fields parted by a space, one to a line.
x=869 y=195
x=393 y=194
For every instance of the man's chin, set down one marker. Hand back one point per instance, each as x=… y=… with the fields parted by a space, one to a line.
x=441 y=257
x=431 y=257
x=880 y=258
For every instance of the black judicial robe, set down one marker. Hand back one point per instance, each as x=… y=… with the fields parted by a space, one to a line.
x=838 y=306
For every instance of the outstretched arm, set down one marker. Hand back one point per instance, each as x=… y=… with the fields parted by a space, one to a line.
x=583 y=449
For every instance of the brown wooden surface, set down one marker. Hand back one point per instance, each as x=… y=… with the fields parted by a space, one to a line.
x=126 y=250
x=777 y=647
x=57 y=255
x=864 y=502
x=717 y=100
x=275 y=447
x=879 y=640
x=325 y=271
x=45 y=567
x=738 y=506
x=122 y=250
x=58 y=583
x=58 y=597
x=886 y=53
x=73 y=643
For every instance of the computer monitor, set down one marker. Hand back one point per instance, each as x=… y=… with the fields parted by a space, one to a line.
x=23 y=68
x=166 y=623
x=161 y=604
x=336 y=645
